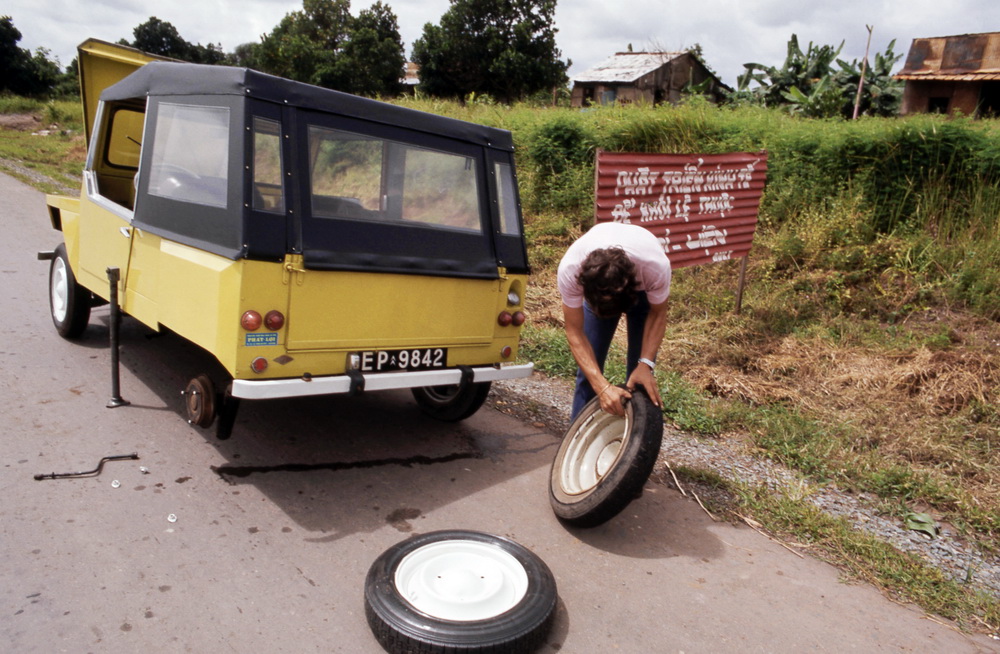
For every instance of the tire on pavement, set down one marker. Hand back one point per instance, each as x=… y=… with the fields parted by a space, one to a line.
x=459 y=591
x=604 y=461
x=69 y=303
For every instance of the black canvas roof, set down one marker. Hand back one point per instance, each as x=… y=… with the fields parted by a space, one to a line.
x=159 y=78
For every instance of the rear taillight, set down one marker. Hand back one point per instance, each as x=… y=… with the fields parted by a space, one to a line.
x=274 y=320
x=506 y=351
x=258 y=365
x=251 y=321
x=507 y=318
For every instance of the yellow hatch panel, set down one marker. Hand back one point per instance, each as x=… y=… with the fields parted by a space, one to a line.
x=101 y=65
x=338 y=310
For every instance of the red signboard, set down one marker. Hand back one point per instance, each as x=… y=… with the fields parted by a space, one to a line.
x=702 y=207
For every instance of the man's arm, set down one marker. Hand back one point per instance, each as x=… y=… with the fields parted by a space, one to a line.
x=652 y=338
x=611 y=396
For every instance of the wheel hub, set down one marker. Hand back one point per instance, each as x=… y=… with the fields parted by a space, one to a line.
x=199 y=399
x=60 y=291
x=592 y=452
x=461 y=580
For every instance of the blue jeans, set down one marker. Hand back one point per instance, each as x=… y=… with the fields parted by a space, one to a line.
x=600 y=332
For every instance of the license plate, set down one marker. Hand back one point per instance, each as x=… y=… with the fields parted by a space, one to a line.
x=414 y=359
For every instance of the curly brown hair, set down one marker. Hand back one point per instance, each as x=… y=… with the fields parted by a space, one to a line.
x=608 y=280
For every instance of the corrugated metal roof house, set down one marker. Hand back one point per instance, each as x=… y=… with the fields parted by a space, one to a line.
x=652 y=77
x=953 y=74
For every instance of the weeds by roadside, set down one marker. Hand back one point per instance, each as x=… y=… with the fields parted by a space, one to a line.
x=43 y=142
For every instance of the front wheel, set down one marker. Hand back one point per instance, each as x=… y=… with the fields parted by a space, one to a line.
x=460 y=591
x=68 y=301
x=451 y=403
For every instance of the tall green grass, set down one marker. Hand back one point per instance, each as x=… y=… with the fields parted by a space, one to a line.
x=918 y=196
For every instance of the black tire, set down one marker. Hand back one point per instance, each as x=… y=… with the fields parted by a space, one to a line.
x=604 y=461
x=451 y=403
x=486 y=624
x=69 y=303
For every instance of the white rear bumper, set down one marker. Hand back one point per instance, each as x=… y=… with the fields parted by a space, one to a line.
x=267 y=389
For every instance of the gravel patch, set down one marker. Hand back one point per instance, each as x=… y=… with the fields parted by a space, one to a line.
x=545 y=402
x=33 y=176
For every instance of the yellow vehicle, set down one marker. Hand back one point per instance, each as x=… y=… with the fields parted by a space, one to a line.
x=312 y=241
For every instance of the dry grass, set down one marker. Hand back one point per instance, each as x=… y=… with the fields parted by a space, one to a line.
x=818 y=375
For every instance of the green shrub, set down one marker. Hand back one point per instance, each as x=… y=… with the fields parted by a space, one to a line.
x=14 y=104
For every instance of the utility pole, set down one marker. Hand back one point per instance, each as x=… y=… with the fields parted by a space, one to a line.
x=864 y=65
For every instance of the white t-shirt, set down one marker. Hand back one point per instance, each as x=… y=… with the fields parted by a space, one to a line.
x=652 y=267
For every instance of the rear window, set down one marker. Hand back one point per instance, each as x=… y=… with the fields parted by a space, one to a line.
x=356 y=177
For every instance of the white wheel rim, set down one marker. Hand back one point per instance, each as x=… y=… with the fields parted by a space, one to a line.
x=592 y=452
x=461 y=580
x=60 y=290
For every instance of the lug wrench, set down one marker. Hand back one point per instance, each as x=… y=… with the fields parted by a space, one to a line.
x=87 y=473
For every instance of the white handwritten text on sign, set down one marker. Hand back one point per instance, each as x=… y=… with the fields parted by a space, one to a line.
x=703 y=208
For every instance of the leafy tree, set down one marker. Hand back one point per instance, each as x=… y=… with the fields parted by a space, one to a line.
x=305 y=44
x=161 y=38
x=68 y=84
x=502 y=48
x=324 y=45
x=373 y=56
x=24 y=73
x=245 y=55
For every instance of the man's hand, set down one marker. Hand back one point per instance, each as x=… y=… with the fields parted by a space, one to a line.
x=643 y=376
x=613 y=399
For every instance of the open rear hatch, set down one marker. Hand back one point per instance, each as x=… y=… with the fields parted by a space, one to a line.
x=101 y=65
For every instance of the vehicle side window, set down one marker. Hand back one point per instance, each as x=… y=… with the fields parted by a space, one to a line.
x=124 y=138
x=118 y=143
x=507 y=196
x=346 y=174
x=357 y=177
x=440 y=189
x=190 y=160
x=268 y=193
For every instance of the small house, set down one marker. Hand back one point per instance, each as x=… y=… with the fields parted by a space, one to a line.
x=652 y=77
x=953 y=74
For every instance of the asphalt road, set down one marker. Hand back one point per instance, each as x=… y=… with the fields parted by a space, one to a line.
x=276 y=528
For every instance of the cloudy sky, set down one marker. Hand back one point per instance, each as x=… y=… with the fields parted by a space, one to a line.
x=731 y=32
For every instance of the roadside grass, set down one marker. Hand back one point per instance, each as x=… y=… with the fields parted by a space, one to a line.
x=863 y=557
x=58 y=156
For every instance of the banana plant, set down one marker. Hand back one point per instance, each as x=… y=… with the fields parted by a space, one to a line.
x=816 y=83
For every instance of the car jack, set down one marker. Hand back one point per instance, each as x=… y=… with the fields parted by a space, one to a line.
x=116 y=318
